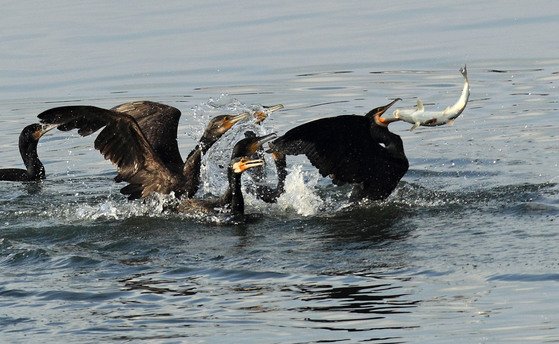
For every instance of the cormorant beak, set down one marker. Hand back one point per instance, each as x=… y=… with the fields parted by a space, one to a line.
x=230 y=121
x=245 y=163
x=259 y=141
x=266 y=138
x=261 y=115
x=45 y=128
x=272 y=108
x=378 y=112
x=237 y=118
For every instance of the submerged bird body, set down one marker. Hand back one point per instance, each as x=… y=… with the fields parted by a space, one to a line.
x=351 y=149
x=34 y=169
x=232 y=200
x=420 y=117
x=141 y=139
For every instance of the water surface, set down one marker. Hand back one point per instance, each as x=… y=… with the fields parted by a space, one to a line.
x=464 y=250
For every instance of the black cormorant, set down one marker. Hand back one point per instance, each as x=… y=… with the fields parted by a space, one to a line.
x=351 y=149
x=34 y=169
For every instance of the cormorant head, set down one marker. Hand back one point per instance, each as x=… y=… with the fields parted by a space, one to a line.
x=219 y=125
x=250 y=144
x=33 y=132
x=261 y=115
x=376 y=113
x=241 y=164
x=28 y=140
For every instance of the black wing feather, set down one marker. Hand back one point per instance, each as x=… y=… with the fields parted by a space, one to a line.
x=87 y=119
x=159 y=123
x=340 y=147
x=122 y=142
x=350 y=149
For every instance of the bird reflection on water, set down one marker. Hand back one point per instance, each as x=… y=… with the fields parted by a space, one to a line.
x=327 y=302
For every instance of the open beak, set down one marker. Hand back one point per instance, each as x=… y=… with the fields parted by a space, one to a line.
x=381 y=110
x=262 y=115
x=245 y=163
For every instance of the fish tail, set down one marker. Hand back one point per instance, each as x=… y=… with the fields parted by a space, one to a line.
x=464 y=72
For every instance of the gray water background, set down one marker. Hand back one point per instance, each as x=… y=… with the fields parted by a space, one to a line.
x=465 y=250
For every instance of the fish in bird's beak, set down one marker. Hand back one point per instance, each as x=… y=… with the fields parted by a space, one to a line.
x=261 y=115
x=378 y=112
x=244 y=163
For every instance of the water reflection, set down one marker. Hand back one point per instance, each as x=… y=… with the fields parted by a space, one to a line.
x=33 y=188
x=382 y=299
x=140 y=283
x=368 y=222
x=339 y=304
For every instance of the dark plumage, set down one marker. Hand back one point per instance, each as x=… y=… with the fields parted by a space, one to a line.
x=141 y=139
x=232 y=199
x=34 y=169
x=351 y=149
x=260 y=190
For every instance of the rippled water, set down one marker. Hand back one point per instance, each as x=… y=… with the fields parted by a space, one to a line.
x=465 y=250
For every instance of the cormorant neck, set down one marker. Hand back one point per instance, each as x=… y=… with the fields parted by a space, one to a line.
x=281 y=170
x=28 y=151
x=234 y=194
x=192 y=165
x=205 y=143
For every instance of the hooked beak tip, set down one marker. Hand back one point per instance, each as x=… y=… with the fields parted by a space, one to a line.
x=383 y=109
x=273 y=108
x=45 y=128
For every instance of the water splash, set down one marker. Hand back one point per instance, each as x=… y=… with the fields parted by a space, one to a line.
x=300 y=193
x=113 y=209
x=213 y=172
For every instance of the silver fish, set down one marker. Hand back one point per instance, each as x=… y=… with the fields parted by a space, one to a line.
x=419 y=116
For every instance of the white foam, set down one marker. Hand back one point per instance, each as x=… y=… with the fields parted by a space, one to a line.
x=115 y=209
x=300 y=193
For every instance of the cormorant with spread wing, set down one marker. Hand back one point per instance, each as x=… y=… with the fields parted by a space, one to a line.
x=351 y=149
x=141 y=139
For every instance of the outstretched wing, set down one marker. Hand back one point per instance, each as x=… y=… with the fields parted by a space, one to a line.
x=159 y=123
x=340 y=147
x=87 y=119
x=122 y=142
